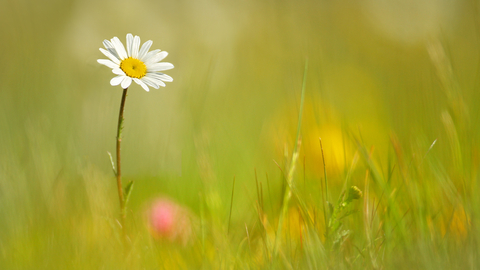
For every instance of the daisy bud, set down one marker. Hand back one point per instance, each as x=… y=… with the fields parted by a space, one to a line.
x=354 y=193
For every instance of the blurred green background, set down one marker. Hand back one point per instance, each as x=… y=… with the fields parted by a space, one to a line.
x=393 y=74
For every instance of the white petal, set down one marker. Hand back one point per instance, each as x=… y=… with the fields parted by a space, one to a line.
x=160 y=76
x=118 y=71
x=150 y=82
x=144 y=49
x=135 y=46
x=129 y=44
x=117 y=80
x=109 y=46
x=126 y=82
x=119 y=48
x=156 y=81
x=157 y=58
x=149 y=55
x=111 y=56
x=142 y=84
x=159 y=67
x=107 y=63
x=162 y=84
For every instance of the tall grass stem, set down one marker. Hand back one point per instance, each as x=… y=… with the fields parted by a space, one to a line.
x=291 y=168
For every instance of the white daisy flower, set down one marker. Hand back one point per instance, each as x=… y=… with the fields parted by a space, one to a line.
x=141 y=66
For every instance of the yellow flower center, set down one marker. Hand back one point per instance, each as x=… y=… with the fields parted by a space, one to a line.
x=133 y=67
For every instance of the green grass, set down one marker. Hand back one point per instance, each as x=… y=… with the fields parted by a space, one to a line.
x=394 y=102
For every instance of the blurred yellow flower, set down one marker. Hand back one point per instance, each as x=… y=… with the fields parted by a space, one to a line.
x=326 y=126
x=454 y=223
x=135 y=64
x=458 y=224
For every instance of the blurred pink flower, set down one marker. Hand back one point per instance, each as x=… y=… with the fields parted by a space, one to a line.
x=170 y=221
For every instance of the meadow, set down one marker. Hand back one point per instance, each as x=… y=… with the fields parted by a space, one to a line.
x=306 y=134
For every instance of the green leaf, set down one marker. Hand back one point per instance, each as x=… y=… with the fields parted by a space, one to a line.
x=128 y=191
x=113 y=164
x=330 y=207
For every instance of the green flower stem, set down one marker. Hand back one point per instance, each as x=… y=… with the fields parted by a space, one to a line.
x=119 y=164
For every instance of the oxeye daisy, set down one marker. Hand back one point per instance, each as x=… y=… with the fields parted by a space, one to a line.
x=135 y=63
x=143 y=67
